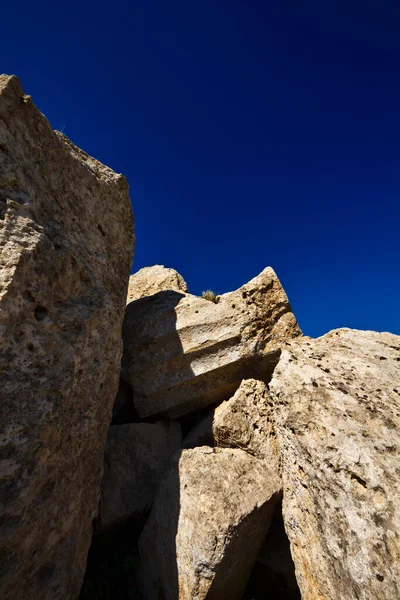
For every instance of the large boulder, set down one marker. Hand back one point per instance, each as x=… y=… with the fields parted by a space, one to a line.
x=207 y=525
x=151 y=280
x=245 y=421
x=136 y=457
x=66 y=236
x=337 y=407
x=182 y=353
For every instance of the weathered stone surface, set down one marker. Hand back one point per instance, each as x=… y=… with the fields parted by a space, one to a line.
x=207 y=525
x=245 y=421
x=137 y=456
x=338 y=425
x=182 y=353
x=150 y=280
x=66 y=236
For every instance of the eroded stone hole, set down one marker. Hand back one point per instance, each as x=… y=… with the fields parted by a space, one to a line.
x=273 y=576
x=27 y=295
x=41 y=313
x=58 y=248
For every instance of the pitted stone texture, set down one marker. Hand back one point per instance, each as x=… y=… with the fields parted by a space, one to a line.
x=136 y=458
x=245 y=421
x=66 y=236
x=182 y=353
x=207 y=525
x=150 y=280
x=337 y=407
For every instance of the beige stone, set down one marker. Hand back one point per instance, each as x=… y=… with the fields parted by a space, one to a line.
x=182 y=353
x=151 y=280
x=337 y=407
x=66 y=238
x=136 y=457
x=207 y=525
x=245 y=421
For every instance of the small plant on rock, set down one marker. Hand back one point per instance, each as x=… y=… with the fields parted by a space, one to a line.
x=209 y=295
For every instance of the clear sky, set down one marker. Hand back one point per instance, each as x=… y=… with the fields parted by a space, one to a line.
x=252 y=133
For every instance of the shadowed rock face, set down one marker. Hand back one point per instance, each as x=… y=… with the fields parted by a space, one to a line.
x=136 y=458
x=182 y=353
x=66 y=235
x=150 y=280
x=274 y=571
x=207 y=525
x=337 y=413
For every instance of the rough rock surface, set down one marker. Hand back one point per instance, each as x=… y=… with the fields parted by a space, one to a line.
x=66 y=236
x=245 y=421
x=207 y=525
x=182 y=353
x=150 y=280
x=137 y=456
x=338 y=426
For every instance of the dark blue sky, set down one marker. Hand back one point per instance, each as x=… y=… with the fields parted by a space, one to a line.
x=252 y=133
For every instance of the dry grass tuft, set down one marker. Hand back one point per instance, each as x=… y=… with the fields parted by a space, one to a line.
x=209 y=295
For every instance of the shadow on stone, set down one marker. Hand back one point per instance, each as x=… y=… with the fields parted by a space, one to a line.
x=229 y=578
x=112 y=568
x=157 y=574
x=273 y=576
x=124 y=408
x=113 y=556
